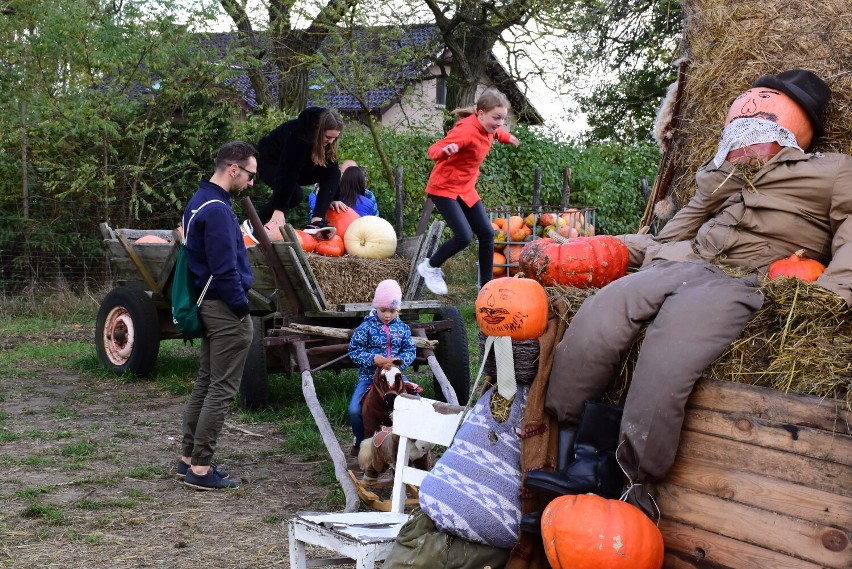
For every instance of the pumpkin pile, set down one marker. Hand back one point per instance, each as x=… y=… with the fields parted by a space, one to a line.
x=511 y=232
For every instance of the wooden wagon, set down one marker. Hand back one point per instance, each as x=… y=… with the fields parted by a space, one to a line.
x=295 y=326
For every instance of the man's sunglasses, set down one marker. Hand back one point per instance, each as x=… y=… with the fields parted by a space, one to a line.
x=251 y=174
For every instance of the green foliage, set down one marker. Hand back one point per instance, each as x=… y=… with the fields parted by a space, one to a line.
x=606 y=177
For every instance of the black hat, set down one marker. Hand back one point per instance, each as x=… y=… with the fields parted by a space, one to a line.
x=805 y=88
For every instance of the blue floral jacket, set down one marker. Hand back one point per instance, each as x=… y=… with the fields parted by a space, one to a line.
x=372 y=337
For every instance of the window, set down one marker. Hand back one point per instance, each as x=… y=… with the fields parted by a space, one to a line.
x=441 y=92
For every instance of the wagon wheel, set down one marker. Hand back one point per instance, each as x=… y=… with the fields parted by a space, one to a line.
x=254 y=387
x=453 y=355
x=127 y=333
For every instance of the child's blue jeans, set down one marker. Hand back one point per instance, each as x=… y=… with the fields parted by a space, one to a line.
x=354 y=410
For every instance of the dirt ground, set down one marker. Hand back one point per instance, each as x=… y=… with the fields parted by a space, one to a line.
x=88 y=480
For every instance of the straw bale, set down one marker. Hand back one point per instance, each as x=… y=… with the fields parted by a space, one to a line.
x=349 y=279
x=800 y=341
x=729 y=43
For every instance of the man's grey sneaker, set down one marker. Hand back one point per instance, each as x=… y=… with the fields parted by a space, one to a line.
x=433 y=277
x=210 y=481
x=183 y=467
x=320 y=229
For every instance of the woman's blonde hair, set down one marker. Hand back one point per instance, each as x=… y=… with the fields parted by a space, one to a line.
x=321 y=154
x=488 y=100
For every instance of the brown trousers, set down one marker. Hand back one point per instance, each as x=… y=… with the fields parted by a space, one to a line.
x=695 y=311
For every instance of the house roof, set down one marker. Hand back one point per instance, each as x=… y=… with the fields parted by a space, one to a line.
x=423 y=39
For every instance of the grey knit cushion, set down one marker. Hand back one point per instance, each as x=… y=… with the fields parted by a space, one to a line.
x=473 y=490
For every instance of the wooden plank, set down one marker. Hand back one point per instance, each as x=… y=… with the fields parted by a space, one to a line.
x=766 y=433
x=689 y=547
x=773 y=404
x=758 y=490
x=290 y=235
x=804 y=470
x=345 y=334
x=408 y=247
x=310 y=298
x=827 y=546
x=139 y=264
x=364 y=307
x=428 y=246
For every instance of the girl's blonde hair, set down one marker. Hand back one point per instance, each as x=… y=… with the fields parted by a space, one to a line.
x=321 y=154
x=488 y=100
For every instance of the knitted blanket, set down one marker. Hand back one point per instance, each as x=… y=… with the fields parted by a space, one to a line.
x=474 y=489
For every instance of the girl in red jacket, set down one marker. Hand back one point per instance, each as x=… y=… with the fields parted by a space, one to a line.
x=452 y=185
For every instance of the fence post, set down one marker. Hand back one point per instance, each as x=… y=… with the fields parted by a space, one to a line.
x=536 y=201
x=397 y=183
x=566 y=187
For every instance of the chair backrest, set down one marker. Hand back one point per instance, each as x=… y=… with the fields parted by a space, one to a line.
x=420 y=419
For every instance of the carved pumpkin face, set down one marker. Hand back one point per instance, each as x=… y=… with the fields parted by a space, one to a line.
x=515 y=307
x=772 y=105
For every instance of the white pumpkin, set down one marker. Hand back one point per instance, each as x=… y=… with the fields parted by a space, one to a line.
x=370 y=237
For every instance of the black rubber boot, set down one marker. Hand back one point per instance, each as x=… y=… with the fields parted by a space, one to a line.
x=594 y=468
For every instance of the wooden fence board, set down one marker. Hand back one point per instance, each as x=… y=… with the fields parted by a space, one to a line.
x=726 y=483
x=829 y=414
x=767 y=433
x=689 y=547
x=815 y=473
x=783 y=534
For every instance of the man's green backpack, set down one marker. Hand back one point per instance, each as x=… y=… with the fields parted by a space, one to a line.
x=185 y=297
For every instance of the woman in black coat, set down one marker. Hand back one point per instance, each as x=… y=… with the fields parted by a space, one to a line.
x=302 y=152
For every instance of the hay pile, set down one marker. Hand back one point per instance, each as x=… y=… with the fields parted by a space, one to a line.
x=729 y=43
x=346 y=279
x=799 y=342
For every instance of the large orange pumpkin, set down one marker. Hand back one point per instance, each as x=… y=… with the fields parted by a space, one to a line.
x=341 y=220
x=772 y=105
x=333 y=247
x=796 y=266
x=512 y=306
x=580 y=262
x=586 y=531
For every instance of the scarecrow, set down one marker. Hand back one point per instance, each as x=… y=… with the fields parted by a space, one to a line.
x=760 y=197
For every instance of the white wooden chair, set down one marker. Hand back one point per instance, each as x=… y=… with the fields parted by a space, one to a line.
x=367 y=537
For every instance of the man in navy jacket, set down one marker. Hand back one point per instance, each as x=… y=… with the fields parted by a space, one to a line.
x=216 y=253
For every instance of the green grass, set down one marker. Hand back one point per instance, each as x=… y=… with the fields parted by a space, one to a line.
x=36 y=317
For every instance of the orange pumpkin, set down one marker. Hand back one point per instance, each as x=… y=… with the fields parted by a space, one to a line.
x=333 y=247
x=499 y=268
x=796 y=266
x=512 y=306
x=585 y=531
x=770 y=104
x=580 y=262
x=306 y=240
x=151 y=240
x=341 y=220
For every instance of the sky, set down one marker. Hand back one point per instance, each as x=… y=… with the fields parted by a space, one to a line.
x=551 y=105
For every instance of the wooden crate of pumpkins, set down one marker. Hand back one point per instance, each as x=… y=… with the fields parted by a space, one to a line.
x=516 y=225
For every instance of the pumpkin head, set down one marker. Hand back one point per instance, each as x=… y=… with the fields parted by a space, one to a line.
x=773 y=105
x=515 y=307
x=331 y=247
x=586 y=531
x=370 y=237
x=341 y=220
x=796 y=266
x=580 y=262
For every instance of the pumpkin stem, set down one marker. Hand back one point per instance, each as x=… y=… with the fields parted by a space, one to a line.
x=556 y=237
x=800 y=253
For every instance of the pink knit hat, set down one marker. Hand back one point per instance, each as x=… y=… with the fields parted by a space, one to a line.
x=388 y=295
